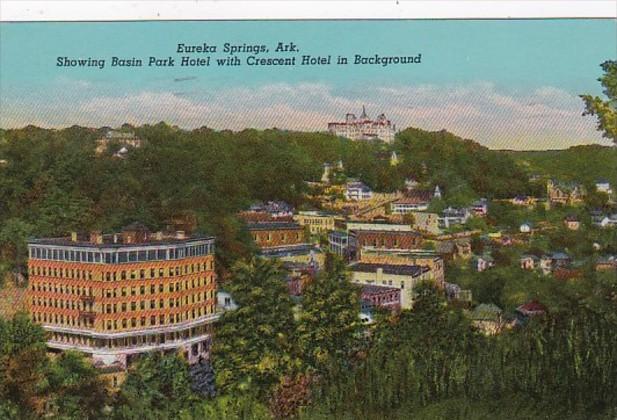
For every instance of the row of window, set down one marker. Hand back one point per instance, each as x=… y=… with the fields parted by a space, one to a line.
x=142 y=290
x=110 y=308
x=111 y=325
x=119 y=257
x=269 y=236
x=61 y=319
x=153 y=289
x=123 y=274
x=61 y=303
x=123 y=306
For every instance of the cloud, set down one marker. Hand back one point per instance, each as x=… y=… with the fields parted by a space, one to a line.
x=546 y=117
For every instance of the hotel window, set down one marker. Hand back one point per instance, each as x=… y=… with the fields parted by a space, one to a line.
x=171 y=303
x=161 y=287
x=133 y=306
x=143 y=321
x=123 y=307
x=161 y=304
x=124 y=291
x=124 y=323
x=133 y=274
x=133 y=291
x=152 y=289
x=152 y=304
x=162 y=319
x=161 y=272
x=123 y=275
x=142 y=305
x=152 y=273
x=153 y=320
x=142 y=290
x=133 y=322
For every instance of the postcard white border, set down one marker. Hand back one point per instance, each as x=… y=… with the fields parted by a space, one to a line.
x=114 y=10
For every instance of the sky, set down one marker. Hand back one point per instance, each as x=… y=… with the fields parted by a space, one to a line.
x=507 y=84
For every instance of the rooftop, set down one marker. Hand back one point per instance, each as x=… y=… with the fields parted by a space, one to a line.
x=135 y=234
x=399 y=270
x=273 y=226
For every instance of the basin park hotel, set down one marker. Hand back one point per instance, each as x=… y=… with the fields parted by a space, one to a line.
x=116 y=296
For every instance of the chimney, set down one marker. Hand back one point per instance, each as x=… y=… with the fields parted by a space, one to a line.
x=73 y=236
x=96 y=237
x=180 y=234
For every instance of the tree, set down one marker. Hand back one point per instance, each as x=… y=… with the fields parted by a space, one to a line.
x=22 y=365
x=77 y=390
x=256 y=343
x=329 y=325
x=158 y=386
x=604 y=110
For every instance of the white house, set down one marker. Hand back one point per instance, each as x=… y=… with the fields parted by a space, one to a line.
x=357 y=191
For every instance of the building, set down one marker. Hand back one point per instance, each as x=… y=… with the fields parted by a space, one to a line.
x=423 y=258
x=381 y=297
x=414 y=200
x=403 y=277
x=302 y=253
x=606 y=263
x=453 y=249
x=357 y=191
x=381 y=226
x=525 y=227
x=426 y=222
x=453 y=217
x=338 y=242
x=529 y=262
x=364 y=128
x=604 y=186
x=529 y=310
x=382 y=239
x=488 y=318
x=271 y=211
x=562 y=193
x=604 y=221
x=483 y=262
x=572 y=222
x=119 y=295
x=276 y=234
x=126 y=141
x=317 y=222
x=479 y=208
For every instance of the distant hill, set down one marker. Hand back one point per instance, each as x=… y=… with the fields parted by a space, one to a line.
x=585 y=164
x=461 y=166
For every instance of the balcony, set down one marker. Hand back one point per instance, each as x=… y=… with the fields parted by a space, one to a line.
x=87 y=315
x=87 y=299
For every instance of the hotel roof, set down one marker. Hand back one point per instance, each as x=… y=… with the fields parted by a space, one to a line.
x=399 y=270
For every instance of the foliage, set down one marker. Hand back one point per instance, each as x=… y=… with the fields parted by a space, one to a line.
x=256 y=343
x=78 y=392
x=605 y=110
x=329 y=325
x=158 y=386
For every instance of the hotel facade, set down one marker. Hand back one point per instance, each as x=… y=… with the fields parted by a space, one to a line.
x=115 y=296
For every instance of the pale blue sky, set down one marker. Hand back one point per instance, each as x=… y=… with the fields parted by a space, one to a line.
x=500 y=82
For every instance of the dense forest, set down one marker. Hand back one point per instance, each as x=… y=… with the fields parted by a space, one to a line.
x=270 y=360
x=52 y=182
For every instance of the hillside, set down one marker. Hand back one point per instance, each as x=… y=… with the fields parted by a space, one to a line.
x=581 y=163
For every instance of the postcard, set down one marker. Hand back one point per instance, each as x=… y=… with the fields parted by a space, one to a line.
x=312 y=219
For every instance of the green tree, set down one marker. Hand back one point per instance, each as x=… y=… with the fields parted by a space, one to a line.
x=22 y=365
x=604 y=109
x=328 y=328
x=77 y=391
x=256 y=343
x=158 y=386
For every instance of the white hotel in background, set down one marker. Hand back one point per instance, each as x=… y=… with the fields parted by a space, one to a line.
x=364 y=128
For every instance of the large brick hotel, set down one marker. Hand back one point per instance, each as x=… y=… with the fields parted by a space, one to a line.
x=117 y=295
